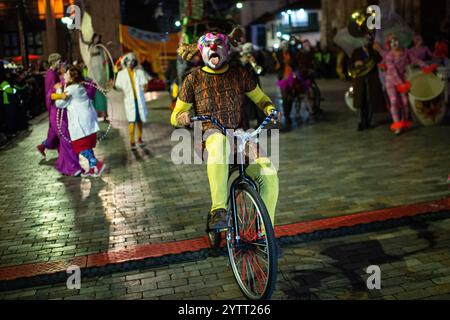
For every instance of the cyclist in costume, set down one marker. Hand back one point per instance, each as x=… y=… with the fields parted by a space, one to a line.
x=218 y=89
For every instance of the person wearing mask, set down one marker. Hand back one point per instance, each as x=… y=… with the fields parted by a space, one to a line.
x=132 y=81
x=397 y=59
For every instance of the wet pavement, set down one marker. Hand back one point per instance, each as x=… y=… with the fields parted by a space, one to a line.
x=327 y=169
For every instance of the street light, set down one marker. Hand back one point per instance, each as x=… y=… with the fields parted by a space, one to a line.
x=68 y=22
x=239 y=5
x=177 y=24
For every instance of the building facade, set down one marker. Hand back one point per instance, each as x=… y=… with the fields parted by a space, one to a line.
x=45 y=33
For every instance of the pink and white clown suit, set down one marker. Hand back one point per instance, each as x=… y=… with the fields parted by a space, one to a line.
x=397 y=86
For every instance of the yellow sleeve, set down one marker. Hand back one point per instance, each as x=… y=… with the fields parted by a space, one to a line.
x=57 y=96
x=180 y=108
x=261 y=100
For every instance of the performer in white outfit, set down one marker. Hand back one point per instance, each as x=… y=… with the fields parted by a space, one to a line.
x=132 y=81
x=82 y=119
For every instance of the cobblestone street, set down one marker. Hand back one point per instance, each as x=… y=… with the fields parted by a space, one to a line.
x=414 y=263
x=326 y=170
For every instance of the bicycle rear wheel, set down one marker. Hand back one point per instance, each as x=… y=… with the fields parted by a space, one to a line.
x=252 y=252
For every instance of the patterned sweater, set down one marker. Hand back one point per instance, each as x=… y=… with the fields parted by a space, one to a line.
x=220 y=93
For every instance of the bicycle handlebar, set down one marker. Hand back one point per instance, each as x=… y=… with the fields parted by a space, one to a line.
x=215 y=121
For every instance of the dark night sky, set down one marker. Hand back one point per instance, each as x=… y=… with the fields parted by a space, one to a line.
x=141 y=13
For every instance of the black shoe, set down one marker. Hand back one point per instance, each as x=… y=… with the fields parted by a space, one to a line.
x=217 y=220
x=361 y=127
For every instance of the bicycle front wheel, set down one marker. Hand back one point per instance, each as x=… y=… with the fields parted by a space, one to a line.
x=252 y=250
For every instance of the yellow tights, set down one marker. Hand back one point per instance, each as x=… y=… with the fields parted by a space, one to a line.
x=262 y=172
x=131 y=127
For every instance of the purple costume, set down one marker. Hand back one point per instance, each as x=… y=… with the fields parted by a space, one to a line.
x=68 y=162
x=51 y=79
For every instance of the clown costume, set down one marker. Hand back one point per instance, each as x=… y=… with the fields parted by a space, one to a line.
x=218 y=89
x=132 y=81
x=82 y=119
x=397 y=60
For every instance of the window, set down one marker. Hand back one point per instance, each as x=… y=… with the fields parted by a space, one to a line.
x=11 y=44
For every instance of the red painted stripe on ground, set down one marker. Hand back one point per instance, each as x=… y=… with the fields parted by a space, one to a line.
x=35 y=269
x=145 y=251
x=362 y=218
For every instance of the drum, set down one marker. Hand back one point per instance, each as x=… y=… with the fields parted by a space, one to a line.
x=427 y=98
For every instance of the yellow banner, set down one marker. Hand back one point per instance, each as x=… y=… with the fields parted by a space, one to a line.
x=156 y=48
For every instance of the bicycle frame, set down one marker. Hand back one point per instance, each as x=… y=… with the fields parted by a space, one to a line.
x=243 y=139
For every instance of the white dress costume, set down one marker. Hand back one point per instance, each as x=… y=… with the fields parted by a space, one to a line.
x=81 y=115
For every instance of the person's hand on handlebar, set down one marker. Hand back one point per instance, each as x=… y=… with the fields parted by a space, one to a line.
x=278 y=117
x=184 y=119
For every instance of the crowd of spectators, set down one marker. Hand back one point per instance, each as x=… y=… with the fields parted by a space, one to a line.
x=21 y=98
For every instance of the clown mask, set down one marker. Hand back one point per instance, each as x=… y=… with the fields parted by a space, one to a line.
x=130 y=61
x=215 y=49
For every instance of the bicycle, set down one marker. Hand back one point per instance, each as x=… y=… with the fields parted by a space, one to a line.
x=250 y=233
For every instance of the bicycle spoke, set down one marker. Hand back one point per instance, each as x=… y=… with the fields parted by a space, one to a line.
x=250 y=274
x=265 y=253
x=243 y=269
x=260 y=275
x=251 y=259
x=252 y=223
